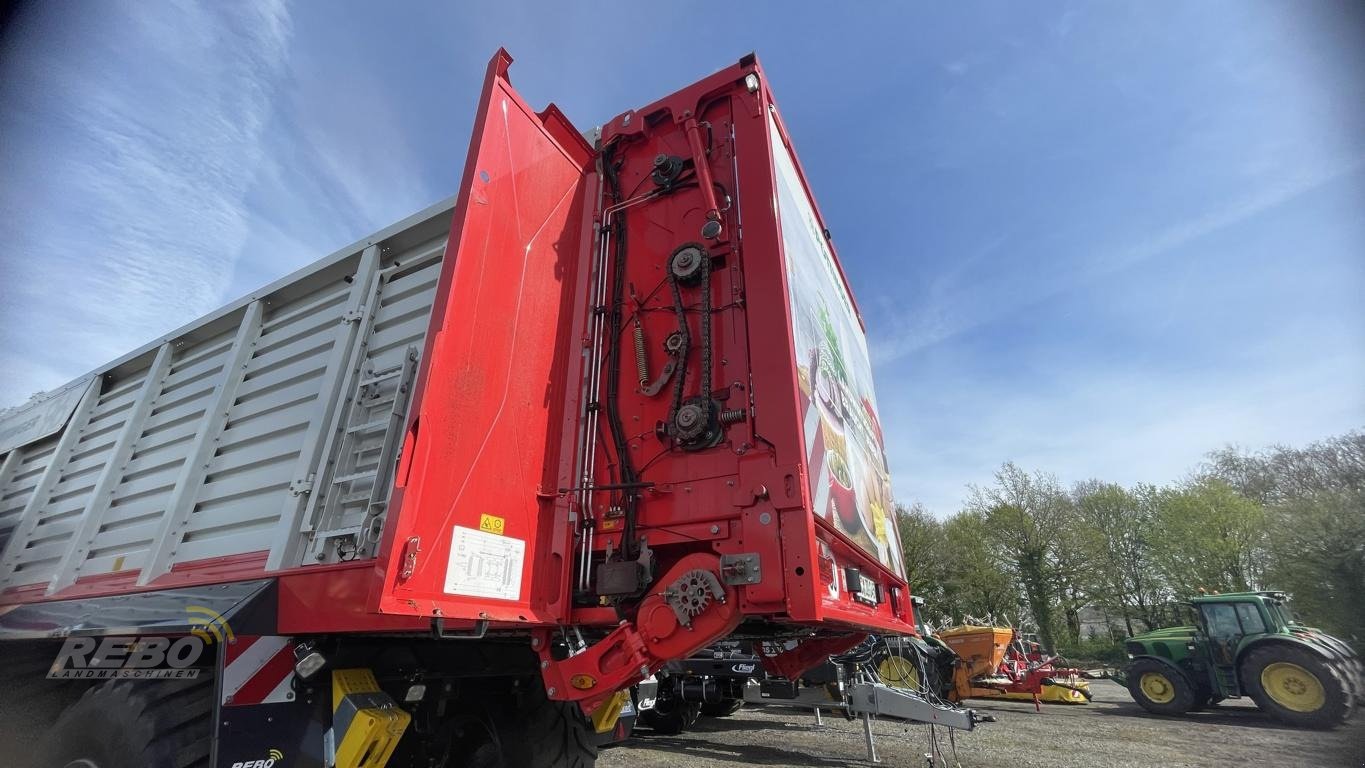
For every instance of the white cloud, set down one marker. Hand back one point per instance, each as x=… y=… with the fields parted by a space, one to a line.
x=131 y=151
x=1123 y=422
x=960 y=300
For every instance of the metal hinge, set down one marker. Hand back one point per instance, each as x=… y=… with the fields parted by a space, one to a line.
x=743 y=568
x=300 y=487
x=410 y=549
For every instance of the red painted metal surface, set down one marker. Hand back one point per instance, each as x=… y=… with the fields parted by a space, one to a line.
x=491 y=398
x=634 y=650
x=751 y=492
x=792 y=663
x=511 y=375
x=501 y=488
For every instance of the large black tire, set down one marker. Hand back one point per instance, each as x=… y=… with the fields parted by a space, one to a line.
x=30 y=703
x=671 y=716
x=721 y=707
x=1296 y=686
x=134 y=724
x=898 y=665
x=1160 y=688
x=541 y=733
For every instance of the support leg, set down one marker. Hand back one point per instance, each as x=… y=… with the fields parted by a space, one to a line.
x=871 y=742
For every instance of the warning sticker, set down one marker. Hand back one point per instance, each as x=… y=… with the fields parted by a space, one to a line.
x=492 y=524
x=484 y=564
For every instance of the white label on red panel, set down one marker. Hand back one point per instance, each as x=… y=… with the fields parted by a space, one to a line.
x=484 y=564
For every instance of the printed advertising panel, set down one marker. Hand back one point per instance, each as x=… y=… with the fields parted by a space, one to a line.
x=850 y=484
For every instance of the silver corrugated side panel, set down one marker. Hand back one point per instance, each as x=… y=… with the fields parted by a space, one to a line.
x=271 y=425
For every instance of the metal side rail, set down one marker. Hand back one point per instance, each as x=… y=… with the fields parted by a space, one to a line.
x=883 y=701
x=868 y=700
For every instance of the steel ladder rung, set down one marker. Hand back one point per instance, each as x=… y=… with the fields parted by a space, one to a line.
x=384 y=375
x=354 y=476
x=369 y=426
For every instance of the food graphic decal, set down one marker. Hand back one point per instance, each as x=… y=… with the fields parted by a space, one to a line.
x=849 y=483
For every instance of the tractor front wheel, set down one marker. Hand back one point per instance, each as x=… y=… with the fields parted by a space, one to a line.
x=1296 y=686
x=1160 y=688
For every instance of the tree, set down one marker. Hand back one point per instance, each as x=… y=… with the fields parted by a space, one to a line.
x=1032 y=523
x=1116 y=524
x=922 y=545
x=974 y=584
x=1208 y=536
x=1315 y=508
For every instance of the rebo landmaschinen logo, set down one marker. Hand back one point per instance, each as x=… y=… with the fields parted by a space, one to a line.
x=143 y=657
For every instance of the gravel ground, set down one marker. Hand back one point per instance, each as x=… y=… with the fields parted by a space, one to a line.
x=1110 y=731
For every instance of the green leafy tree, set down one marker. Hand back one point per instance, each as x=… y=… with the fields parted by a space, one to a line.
x=1315 y=507
x=922 y=544
x=1209 y=536
x=1116 y=525
x=1033 y=526
x=974 y=584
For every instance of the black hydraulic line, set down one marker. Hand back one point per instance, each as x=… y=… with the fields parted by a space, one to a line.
x=627 y=481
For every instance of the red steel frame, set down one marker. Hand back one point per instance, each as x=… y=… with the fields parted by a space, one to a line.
x=520 y=394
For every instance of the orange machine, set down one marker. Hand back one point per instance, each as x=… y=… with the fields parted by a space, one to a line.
x=981 y=649
x=996 y=664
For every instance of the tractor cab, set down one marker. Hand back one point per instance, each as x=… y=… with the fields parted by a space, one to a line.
x=1245 y=644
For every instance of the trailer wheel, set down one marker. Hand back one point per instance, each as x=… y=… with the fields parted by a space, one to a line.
x=1160 y=688
x=671 y=716
x=1296 y=686
x=542 y=733
x=133 y=724
x=30 y=702
x=721 y=707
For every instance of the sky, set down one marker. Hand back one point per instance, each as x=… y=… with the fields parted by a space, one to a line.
x=1095 y=239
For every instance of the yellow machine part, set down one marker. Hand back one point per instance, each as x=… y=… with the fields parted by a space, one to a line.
x=608 y=712
x=1055 y=694
x=366 y=722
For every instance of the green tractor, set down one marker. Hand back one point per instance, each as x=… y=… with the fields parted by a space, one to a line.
x=1246 y=644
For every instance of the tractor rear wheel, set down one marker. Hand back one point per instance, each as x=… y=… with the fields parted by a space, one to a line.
x=1160 y=688
x=898 y=665
x=1296 y=686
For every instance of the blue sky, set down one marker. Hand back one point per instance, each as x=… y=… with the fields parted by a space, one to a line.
x=1094 y=238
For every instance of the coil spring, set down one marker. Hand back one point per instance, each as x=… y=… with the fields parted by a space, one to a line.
x=733 y=416
x=641 y=358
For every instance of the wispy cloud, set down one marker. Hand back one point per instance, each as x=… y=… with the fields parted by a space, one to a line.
x=1124 y=423
x=953 y=306
x=134 y=228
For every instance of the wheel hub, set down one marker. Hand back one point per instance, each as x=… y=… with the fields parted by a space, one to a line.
x=898 y=673
x=1157 y=687
x=1293 y=687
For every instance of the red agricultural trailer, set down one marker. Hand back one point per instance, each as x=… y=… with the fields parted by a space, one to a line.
x=441 y=496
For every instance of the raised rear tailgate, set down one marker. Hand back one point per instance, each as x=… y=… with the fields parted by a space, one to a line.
x=472 y=531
